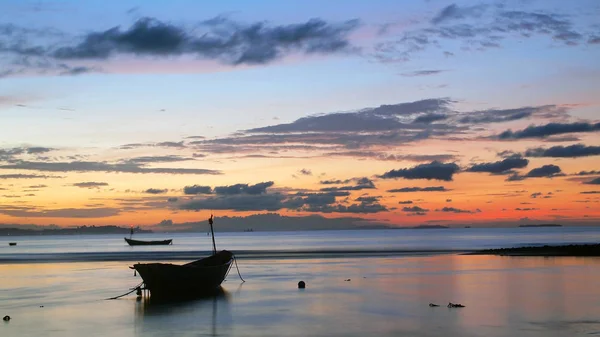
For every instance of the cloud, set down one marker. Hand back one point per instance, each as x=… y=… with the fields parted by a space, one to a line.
x=422 y=73
x=434 y=170
x=587 y=173
x=242 y=202
x=419 y=189
x=478 y=27
x=172 y=199
x=218 y=39
x=454 y=210
x=549 y=129
x=84 y=166
x=590 y=192
x=362 y=207
x=165 y=223
x=571 y=151
x=414 y=209
x=102 y=212
x=430 y=118
x=197 y=189
x=156 y=159
x=26 y=176
x=259 y=188
x=546 y=171
x=525 y=209
x=502 y=166
x=593 y=181
x=155 y=191
x=370 y=119
x=405 y=202
x=507 y=115
x=90 y=184
x=305 y=172
x=361 y=184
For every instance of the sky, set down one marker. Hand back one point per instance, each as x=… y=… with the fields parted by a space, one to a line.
x=422 y=112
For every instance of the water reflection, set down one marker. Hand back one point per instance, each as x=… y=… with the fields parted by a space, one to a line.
x=200 y=316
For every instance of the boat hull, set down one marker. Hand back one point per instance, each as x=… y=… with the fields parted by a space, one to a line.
x=132 y=242
x=201 y=277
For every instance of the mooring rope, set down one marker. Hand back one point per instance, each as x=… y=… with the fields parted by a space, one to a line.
x=236 y=267
x=134 y=289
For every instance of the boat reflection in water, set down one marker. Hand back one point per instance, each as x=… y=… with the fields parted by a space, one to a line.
x=205 y=315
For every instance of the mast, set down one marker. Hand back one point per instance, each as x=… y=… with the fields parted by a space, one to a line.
x=210 y=221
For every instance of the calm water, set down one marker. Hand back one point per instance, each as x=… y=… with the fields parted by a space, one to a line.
x=386 y=295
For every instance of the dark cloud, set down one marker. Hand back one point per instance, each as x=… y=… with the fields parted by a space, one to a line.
x=454 y=12
x=260 y=188
x=577 y=150
x=38 y=149
x=454 y=210
x=242 y=202
x=171 y=144
x=197 y=189
x=525 y=209
x=414 y=209
x=590 y=192
x=361 y=184
x=502 y=166
x=73 y=71
x=430 y=118
x=549 y=129
x=593 y=181
x=419 y=189
x=362 y=207
x=370 y=119
x=305 y=172
x=156 y=191
x=422 y=73
x=434 y=170
x=546 y=171
x=334 y=181
x=477 y=27
x=507 y=115
x=90 y=184
x=405 y=202
x=587 y=173
x=26 y=176
x=172 y=199
x=157 y=159
x=219 y=38
x=83 y=166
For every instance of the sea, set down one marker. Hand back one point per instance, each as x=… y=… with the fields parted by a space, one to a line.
x=358 y=283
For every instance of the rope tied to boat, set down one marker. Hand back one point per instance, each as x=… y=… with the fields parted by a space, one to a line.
x=236 y=267
x=132 y=290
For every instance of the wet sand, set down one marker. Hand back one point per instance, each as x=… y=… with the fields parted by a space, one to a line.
x=385 y=296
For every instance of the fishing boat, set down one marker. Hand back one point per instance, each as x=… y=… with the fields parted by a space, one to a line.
x=12 y=243
x=132 y=242
x=200 y=277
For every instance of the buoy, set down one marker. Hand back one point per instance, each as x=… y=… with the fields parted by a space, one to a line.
x=6 y=318
x=301 y=285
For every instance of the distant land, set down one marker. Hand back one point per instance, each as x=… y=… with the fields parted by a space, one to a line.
x=71 y=231
x=542 y=225
x=254 y=223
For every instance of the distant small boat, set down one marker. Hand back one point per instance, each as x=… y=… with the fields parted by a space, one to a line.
x=12 y=243
x=132 y=242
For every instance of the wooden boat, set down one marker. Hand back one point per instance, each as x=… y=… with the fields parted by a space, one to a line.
x=132 y=242
x=204 y=276
x=200 y=277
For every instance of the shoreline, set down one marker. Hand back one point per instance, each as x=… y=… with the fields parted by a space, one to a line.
x=547 y=250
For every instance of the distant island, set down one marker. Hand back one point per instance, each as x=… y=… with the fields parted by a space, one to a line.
x=565 y=250
x=71 y=231
x=425 y=227
x=542 y=225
